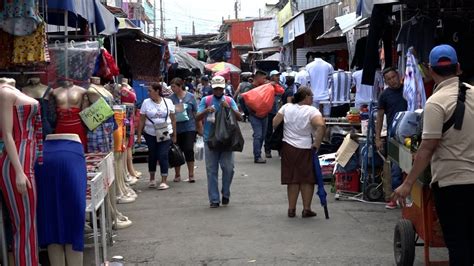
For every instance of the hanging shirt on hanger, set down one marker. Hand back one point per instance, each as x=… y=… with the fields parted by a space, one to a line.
x=413 y=87
x=340 y=86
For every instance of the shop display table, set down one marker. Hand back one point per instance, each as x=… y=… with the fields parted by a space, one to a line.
x=419 y=219
x=94 y=201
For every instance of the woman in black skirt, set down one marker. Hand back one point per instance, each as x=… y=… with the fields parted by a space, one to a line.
x=303 y=131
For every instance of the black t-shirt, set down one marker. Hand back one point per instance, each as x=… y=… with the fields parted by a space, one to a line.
x=392 y=102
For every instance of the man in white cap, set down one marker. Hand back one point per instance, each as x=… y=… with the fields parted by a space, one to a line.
x=448 y=144
x=208 y=107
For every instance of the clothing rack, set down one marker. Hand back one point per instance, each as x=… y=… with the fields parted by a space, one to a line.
x=23 y=73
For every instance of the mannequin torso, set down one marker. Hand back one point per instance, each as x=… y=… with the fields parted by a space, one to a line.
x=35 y=89
x=19 y=122
x=96 y=91
x=68 y=96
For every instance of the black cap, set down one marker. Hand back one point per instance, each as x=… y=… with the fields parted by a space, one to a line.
x=204 y=78
x=261 y=73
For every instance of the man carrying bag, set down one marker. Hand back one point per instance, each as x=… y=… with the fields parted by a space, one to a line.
x=219 y=109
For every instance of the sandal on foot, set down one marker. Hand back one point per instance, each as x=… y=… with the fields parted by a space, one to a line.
x=177 y=179
x=152 y=184
x=191 y=179
x=308 y=213
x=163 y=186
x=291 y=213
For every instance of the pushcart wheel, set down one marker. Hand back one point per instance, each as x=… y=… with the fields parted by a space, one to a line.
x=373 y=192
x=404 y=243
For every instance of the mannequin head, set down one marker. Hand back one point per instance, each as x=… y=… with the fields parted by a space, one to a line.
x=95 y=80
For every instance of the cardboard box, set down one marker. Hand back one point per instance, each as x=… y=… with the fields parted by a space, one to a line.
x=347 y=149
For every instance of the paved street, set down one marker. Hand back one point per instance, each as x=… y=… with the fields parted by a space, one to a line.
x=177 y=227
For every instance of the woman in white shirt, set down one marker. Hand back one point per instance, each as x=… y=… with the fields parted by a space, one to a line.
x=157 y=123
x=303 y=131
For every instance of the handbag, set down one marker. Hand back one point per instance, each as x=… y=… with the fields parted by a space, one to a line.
x=175 y=156
x=96 y=114
x=161 y=129
x=276 y=140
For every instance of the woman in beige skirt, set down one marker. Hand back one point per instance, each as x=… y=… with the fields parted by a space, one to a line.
x=303 y=131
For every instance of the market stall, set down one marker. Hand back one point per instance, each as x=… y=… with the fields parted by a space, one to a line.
x=65 y=71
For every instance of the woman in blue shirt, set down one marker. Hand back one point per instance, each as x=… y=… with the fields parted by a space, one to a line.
x=185 y=107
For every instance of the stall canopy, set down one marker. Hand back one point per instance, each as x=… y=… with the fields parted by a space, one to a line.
x=344 y=24
x=185 y=60
x=81 y=12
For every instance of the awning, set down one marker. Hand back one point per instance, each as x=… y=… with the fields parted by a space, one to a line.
x=300 y=23
x=364 y=7
x=344 y=24
x=80 y=12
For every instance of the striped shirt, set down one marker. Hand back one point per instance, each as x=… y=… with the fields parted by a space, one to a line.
x=340 y=87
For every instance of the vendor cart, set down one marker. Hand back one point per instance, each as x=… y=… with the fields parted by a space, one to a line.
x=419 y=219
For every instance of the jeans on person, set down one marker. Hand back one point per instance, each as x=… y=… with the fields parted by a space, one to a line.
x=157 y=151
x=396 y=173
x=214 y=159
x=259 y=127
x=454 y=208
x=268 y=134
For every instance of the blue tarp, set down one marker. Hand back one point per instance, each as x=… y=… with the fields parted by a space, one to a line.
x=80 y=12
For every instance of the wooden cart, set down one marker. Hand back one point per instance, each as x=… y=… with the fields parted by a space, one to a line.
x=419 y=218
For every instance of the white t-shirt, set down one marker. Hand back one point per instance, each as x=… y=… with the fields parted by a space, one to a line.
x=302 y=78
x=298 y=129
x=319 y=72
x=157 y=113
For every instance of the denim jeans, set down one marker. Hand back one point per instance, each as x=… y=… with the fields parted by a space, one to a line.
x=259 y=127
x=268 y=134
x=226 y=161
x=396 y=172
x=157 y=151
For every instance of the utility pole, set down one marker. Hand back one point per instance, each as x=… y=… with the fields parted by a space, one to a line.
x=161 y=20
x=236 y=7
x=194 y=29
x=176 y=36
x=154 y=19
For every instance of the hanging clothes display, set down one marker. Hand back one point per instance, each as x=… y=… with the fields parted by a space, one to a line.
x=19 y=18
x=27 y=134
x=31 y=49
x=69 y=122
x=61 y=182
x=81 y=59
x=6 y=49
x=418 y=32
x=413 y=87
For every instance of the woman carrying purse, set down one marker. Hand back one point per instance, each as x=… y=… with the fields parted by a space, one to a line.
x=158 y=124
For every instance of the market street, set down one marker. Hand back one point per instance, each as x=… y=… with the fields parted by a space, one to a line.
x=177 y=227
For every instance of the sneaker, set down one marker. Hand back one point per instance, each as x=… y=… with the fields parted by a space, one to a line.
x=225 y=201
x=268 y=154
x=260 y=160
x=214 y=205
x=391 y=205
x=152 y=184
x=163 y=186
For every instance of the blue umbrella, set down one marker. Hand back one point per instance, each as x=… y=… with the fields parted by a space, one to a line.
x=319 y=180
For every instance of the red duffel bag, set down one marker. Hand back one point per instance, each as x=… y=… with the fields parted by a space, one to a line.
x=261 y=99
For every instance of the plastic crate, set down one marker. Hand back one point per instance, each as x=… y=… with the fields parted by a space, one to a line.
x=348 y=181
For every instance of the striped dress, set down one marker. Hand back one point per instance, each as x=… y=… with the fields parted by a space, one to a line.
x=27 y=134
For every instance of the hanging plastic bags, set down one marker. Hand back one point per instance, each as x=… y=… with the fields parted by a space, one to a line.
x=199 y=149
x=261 y=99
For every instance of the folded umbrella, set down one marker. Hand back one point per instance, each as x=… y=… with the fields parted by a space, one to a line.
x=319 y=180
